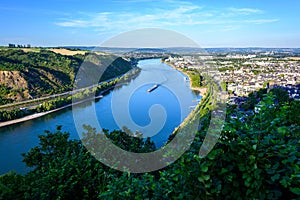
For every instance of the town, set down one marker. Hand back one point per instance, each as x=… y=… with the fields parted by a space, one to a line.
x=246 y=72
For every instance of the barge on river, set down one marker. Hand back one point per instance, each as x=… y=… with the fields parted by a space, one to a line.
x=153 y=88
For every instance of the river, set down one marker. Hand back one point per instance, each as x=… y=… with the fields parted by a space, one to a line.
x=156 y=114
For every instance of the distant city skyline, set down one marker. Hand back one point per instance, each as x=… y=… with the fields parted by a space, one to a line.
x=227 y=23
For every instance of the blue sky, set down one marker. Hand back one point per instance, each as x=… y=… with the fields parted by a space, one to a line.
x=214 y=23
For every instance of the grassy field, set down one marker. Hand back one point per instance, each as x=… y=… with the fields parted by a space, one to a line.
x=67 y=52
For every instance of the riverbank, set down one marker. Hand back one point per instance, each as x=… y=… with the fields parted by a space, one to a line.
x=202 y=91
x=132 y=74
x=37 y=115
x=30 y=117
x=192 y=121
x=20 y=138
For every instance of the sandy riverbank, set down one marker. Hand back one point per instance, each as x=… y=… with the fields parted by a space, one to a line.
x=30 y=117
x=37 y=115
x=202 y=91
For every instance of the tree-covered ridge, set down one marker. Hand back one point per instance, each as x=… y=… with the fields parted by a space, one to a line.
x=256 y=157
x=44 y=72
x=16 y=59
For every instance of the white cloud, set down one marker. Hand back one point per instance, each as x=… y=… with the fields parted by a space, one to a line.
x=245 y=11
x=262 y=21
x=185 y=14
x=108 y=20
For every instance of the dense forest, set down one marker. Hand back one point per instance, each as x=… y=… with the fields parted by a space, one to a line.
x=256 y=157
x=31 y=74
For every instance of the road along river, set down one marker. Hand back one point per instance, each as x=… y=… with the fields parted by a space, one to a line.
x=155 y=113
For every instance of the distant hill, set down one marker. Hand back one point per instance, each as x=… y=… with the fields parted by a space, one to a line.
x=185 y=50
x=32 y=73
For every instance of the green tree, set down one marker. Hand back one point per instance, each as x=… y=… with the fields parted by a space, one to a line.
x=255 y=159
x=281 y=95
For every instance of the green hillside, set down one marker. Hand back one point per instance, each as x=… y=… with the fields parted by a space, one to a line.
x=31 y=74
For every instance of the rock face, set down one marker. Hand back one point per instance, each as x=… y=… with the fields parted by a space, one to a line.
x=13 y=80
x=41 y=72
x=25 y=84
x=15 y=84
x=32 y=74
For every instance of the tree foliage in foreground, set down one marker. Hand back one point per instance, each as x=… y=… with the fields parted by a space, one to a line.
x=257 y=158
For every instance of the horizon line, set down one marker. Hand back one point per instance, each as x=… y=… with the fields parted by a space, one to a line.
x=208 y=47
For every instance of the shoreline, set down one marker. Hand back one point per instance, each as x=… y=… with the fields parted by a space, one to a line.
x=30 y=117
x=202 y=91
x=37 y=115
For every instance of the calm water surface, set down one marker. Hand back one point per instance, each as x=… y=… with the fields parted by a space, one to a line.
x=155 y=113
